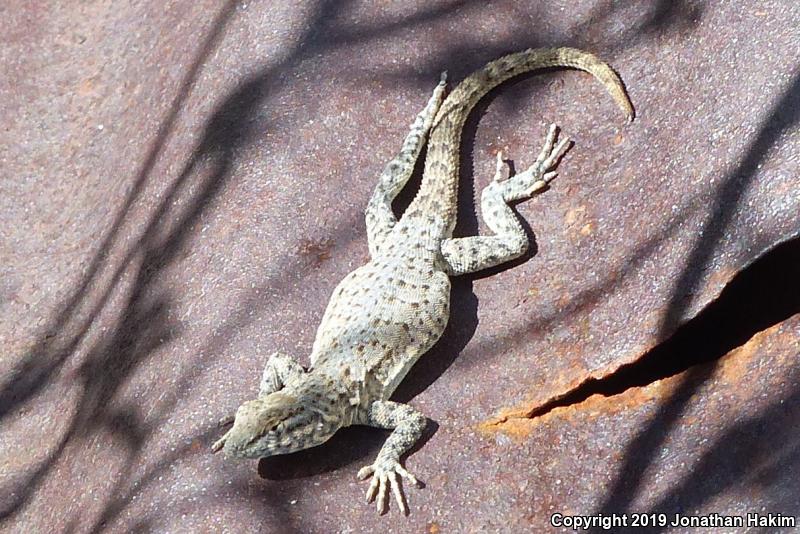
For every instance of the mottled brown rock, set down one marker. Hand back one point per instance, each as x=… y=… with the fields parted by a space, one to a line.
x=164 y=168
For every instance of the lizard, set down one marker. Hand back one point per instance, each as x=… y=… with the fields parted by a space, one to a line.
x=384 y=315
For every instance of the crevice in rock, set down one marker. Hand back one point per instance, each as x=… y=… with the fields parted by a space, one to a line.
x=763 y=294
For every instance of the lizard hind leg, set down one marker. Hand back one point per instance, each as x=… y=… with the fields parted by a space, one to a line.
x=380 y=219
x=469 y=254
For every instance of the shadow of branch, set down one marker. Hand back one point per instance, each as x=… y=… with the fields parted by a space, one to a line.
x=640 y=451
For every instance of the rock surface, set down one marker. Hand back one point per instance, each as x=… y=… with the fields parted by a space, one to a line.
x=183 y=186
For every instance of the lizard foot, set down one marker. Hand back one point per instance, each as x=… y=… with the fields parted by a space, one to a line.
x=538 y=175
x=384 y=475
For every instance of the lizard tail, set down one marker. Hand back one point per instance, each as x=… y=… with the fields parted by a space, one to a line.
x=439 y=186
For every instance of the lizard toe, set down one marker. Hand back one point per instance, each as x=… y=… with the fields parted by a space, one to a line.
x=386 y=475
x=365 y=472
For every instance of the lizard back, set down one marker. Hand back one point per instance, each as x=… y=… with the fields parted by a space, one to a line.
x=381 y=318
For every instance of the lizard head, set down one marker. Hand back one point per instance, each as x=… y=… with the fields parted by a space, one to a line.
x=278 y=423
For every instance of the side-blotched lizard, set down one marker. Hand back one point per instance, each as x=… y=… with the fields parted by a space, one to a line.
x=384 y=315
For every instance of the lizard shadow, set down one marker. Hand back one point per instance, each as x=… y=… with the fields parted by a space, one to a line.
x=348 y=446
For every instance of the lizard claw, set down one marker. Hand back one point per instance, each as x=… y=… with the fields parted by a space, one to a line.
x=384 y=476
x=220 y=443
x=217 y=446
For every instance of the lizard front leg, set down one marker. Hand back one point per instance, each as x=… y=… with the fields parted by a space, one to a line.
x=407 y=424
x=279 y=370
x=470 y=254
x=380 y=219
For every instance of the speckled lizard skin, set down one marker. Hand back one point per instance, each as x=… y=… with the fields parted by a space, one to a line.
x=384 y=315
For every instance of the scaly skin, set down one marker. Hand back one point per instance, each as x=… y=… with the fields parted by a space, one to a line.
x=384 y=315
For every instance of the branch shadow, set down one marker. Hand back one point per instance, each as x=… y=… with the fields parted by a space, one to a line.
x=112 y=359
x=62 y=337
x=144 y=324
x=742 y=457
x=130 y=289
x=643 y=448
